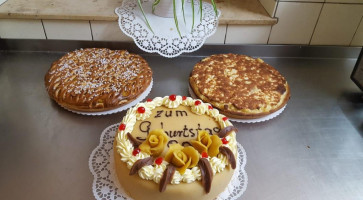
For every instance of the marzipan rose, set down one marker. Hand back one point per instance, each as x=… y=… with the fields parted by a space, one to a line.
x=207 y=143
x=182 y=157
x=155 y=142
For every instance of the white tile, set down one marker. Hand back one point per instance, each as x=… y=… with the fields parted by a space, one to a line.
x=270 y=6
x=247 y=34
x=67 y=29
x=296 y=22
x=344 y=1
x=21 y=29
x=358 y=36
x=108 y=31
x=218 y=37
x=337 y=24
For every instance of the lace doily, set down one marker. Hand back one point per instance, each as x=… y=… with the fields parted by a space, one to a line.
x=166 y=40
x=106 y=186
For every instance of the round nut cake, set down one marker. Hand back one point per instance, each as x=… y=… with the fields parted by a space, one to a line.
x=97 y=79
x=239 y=86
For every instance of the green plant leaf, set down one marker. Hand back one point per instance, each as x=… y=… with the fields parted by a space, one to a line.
x=215 y=7
x=142 y=10
x=183 y=11
x=176 y=18
x=201 y=9
x=156 y=2
x=192 y=15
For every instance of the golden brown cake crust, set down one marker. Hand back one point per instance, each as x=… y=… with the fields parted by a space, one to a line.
x=239 y=86
x=97 y=79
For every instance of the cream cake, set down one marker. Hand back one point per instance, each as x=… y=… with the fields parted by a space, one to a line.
x=239 y=86
x=175 y=147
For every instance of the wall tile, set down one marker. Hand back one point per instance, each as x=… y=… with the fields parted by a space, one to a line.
x=344 y=1
x=296 y=22
x=218 y=37
x=21 y=29
x=270 y=6
x=337 y=24
x=108 y=31
x=247 y=34
x=358 y=36
x=67 y=29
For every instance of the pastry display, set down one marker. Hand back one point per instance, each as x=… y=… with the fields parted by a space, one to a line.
x=239 y=86
x=175 y=147
x=97 y=79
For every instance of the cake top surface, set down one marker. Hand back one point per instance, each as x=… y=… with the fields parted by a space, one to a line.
x=175 y=123
x=238 y=82
x=97 y=78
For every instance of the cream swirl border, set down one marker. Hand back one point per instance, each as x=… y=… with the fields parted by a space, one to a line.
x=125 y=148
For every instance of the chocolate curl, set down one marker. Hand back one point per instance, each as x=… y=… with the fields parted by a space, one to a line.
x=133 y=141
x=139 y=164
x=226 y=131
x=206 y=174
x=167 y=177
x=229 y=154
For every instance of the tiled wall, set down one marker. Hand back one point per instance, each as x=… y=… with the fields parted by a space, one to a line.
x=306 y=22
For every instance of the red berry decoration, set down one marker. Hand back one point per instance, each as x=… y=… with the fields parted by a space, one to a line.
x=149 y=100
x=159 y=160
x=122 y=127
x=172 y=97
x=224 y=118
x=197 y=102
x=204 y=155
x=135 y=151
x=184 y=98
x=141 y=110
x=210 y=107
x=224 y=141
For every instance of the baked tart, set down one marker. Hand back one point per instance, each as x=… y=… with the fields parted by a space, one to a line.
x=239 y=86
x=97 y=79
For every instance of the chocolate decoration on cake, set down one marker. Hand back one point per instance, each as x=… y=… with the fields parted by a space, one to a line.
x=133 y=141
x=206 y=174
x=229 y=154
x=139 y=164
x=226 y=131
x=167 y=177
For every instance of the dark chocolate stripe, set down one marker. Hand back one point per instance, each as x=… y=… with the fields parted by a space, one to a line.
x=206 y=174
x=226 y=131
x=139 y=164
x=229 y=154
x=133 y=141
x=167 y=177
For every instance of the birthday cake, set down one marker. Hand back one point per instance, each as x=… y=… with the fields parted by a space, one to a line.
x=175 y=147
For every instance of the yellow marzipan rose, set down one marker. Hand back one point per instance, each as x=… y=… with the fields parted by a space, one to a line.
x=182 y=157
x=207 y=143
x=155 y=142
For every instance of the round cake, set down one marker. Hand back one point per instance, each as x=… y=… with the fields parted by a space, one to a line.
x=175 y=148
x=239 y=86
x=97 y=79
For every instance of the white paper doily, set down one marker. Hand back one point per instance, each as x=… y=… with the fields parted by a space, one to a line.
x=261 y=119
x=166 y=40
x=116 y=110
x=106 y=186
